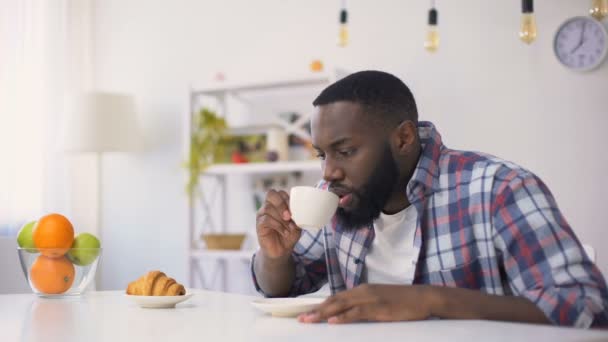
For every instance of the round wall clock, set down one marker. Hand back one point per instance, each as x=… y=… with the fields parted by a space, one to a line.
x=581 y=43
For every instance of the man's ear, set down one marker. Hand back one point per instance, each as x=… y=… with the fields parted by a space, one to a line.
x=405 y=137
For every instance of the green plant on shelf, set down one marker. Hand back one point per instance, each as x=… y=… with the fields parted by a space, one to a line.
x=208 y=145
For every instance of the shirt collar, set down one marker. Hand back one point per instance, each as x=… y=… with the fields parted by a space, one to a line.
x=426 y=174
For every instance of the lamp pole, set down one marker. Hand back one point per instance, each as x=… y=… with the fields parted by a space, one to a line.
x=99 y=217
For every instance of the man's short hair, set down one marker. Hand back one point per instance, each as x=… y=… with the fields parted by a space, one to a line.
x=381 y=95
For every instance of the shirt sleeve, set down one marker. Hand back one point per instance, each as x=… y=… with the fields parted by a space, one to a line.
x=543 y=259
x=309 y=259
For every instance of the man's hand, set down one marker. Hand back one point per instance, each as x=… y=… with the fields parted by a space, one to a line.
x=373 y=303
x=417 y=302
x=276 y=231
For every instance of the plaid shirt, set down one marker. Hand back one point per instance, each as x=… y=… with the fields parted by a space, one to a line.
x=483 y=224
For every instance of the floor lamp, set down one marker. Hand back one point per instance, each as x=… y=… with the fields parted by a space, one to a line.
x=99 y=123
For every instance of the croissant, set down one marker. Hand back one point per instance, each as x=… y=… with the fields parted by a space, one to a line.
x=155 y=283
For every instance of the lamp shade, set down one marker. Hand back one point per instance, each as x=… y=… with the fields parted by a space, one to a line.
x=101 y=122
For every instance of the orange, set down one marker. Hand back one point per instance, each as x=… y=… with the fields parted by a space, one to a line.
x=52 y=275
x=53 y=235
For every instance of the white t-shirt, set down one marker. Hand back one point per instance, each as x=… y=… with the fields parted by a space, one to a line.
x=392 y=256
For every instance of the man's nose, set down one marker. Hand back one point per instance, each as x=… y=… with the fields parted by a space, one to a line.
x=332 y=171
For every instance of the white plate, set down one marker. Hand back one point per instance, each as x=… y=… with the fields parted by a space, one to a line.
x=159 y=302
x=286 y=307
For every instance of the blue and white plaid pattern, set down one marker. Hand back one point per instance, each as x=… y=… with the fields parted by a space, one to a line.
x=484 y=224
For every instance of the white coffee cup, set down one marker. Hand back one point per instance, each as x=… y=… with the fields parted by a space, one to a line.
x=312 y=208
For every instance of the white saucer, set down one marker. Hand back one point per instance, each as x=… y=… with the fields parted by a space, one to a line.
x=159 y=302
x=287 y=307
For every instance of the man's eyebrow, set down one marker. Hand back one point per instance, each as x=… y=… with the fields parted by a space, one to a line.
x=334 y=143
x=340 y=141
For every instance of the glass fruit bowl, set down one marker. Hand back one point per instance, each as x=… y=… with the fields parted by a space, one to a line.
x=59 y=272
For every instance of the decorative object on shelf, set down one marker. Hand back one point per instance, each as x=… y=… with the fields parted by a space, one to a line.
x=581 y=43
x=343 y=33
x=219 y=76
x=316 y=66
x=276 y=141
x=238 y=157
x=272 y=156
x=431 y=43
x=299 y=141
x=527 y=30
x=207 y=145
x=599 y=9
x=246 y=148
x=224 y=241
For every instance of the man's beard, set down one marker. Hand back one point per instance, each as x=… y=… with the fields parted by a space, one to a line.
x=373 y=195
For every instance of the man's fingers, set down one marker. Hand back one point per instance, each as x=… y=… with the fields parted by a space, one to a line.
x=278 y=201
x=268 y=222
x=269 y=208
x=354 y=314
x=333 y=306
x=284 y=196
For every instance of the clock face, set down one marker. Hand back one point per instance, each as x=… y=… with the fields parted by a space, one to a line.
x=581 y=43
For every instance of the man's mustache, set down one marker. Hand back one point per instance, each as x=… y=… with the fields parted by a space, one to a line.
x=340 y=190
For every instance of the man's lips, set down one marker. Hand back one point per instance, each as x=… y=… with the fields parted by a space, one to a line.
x=345 y=200
x=344 y=195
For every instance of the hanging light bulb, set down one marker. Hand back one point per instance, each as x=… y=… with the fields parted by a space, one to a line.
x=343 y=34
x=527 y=31
x=431 y=44
x=599 y=9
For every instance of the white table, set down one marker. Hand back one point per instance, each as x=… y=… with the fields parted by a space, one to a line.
x=214 y=316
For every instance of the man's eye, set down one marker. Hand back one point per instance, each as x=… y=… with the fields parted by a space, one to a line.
x=347 y=153
x=320 y=156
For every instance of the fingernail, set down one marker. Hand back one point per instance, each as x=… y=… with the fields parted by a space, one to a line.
x=332 y=320
x=286 y=215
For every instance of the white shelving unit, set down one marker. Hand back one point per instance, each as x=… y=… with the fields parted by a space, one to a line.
x=262 y=168
x=294 y=82
x=229 y=255
x=200 y=216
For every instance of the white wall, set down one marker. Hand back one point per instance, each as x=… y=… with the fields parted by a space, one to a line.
x=484 y=89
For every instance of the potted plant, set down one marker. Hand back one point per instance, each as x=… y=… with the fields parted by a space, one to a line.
x=208 y=143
